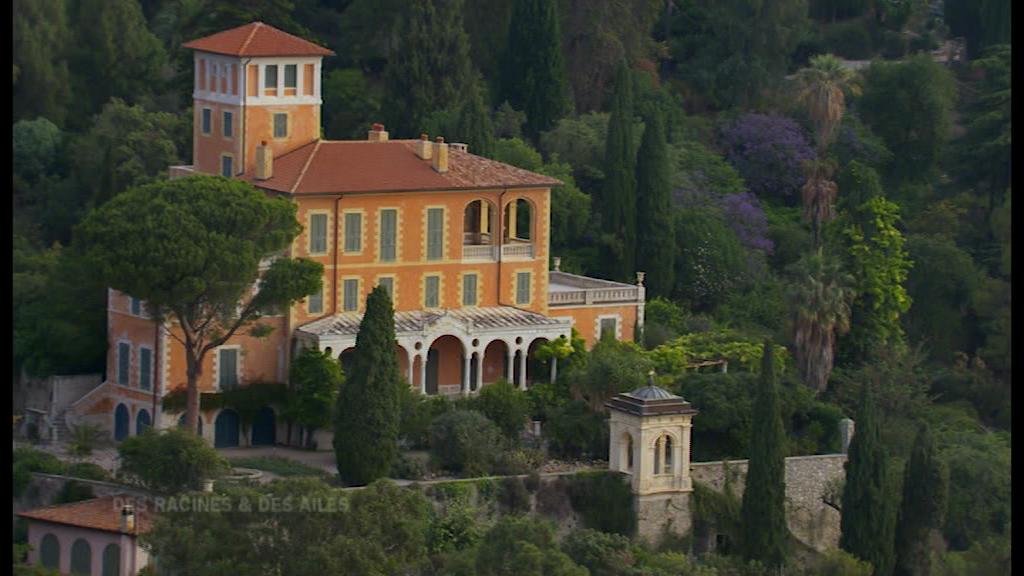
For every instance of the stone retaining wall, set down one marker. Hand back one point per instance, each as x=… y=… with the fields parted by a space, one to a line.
x=43 y=488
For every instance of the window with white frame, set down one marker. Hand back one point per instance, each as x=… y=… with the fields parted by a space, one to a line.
x=227 y=368
x=432 y=291
x=522 y=287
x=124 y=359
x=350 y=294
x=280 y=125
x=469 y=289
x=353 y=232
x=291 y=75
x=318 y=233
x=435 y=233
x=608 y=328
x=145 y=368
x=270 y=77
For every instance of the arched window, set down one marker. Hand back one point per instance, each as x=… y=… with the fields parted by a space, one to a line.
x=112 y=560
x=477 y=223
x=49 y=552
x=629 y=452
x=657 y=457
x=81 y=557
x=518 y=221
x=667 y=469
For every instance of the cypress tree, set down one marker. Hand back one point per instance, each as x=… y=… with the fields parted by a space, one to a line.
x=429 y=66
x=532 y=70
x=655 y=251
x=764 y=531
x=867 y=522
x=618 y=196
x=474 y=124
x=922 y=512
x=366 y=417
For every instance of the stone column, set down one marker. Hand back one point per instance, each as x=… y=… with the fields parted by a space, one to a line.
x=554 y=369
x=479 y=370
x=409 y=376
x=522 y=370
x=423 y=374
x=466 y=358
x=511 y=357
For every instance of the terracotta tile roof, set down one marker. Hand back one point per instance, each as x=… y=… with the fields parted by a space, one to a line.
x=331 y=166
x=98 y=514
x=416 y=321
x=257 y=39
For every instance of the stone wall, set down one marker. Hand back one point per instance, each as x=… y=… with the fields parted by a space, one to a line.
x=810 y=520
x=43 y=488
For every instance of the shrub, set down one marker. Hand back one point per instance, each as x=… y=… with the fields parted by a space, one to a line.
x=575 y=431
x=464 y=441
x=407 y=468
x=88 y=471
x=84 y=438
x=842 y=563
x=513 y=496
x=456 y=529
x=768 y=151
x=25 y=461
x=850 y=40
x=532 y=481
x=502 y=404
x=602 y=554
x=518 y=461
x=604 y=500
x=418 y=412
x=170 y=460
x=73 y=491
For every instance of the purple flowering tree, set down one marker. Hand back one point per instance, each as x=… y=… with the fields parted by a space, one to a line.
x=769 y=153
x=742 y=211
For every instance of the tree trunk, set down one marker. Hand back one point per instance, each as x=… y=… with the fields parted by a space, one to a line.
x=194 y=370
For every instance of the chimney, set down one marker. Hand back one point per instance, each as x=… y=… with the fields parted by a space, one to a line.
x=128 y=518
x=440 y=155
x=461 y=147
x=377 y=133
x=423 y=147
x=264 y=162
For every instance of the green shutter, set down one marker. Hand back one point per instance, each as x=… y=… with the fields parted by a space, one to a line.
x=387 y=234
x=353 y=232
x=124 y=357
x=522 y=288
x=316 y=302
x=318 y=234
x=469 y=290
x=351 y=295
x=435 y=233
x=431 y=299
x=228 y=368
x=145 y=368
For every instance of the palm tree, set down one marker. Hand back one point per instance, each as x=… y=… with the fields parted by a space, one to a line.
x=819 y=194
x=820 y=298
x=822 y=86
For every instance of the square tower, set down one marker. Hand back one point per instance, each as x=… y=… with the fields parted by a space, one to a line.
x=253 y=83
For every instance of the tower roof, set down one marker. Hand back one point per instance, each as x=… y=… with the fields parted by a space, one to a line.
x=257 y=39
x=650 y=400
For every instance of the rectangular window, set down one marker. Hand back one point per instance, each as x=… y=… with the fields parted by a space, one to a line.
x=270 y=77
x=290 y=75
x=522 y=287
x=228 y=368
x=280 y=125
x=388 y=284
x=316 y=302
x=207 y=120
x=608 y=327
x=353 y=232
x=469 y=290
x=227 y=166
x=435 y=233
x=388 y=232
x=318 y=233
x=145 y=368
x=124 y=358
x=229 y=127
x=136 y=306
x=432 y=292
x=350 y=297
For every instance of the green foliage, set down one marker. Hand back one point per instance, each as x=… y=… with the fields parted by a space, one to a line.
x=570 y=208
x=84 y=438
x=418 y=411
x=573 y=430
x=764 y=532
x=879 y=264
x=513 y=496
x=908 y=104
x=616 y=202
x=580 y=141
x=473 y=123
x=278 y=465
x=41 y=41
x=350 y=104
x=612 y=366
x=25 y=461
x=851 y=39
x=37 y=144
x=366 y=415
x=664 y=320
x=454 y=529
x=710 y=261
x=923 y=508
x=840 y=563
x=869 y=505
x=88 y=471
x=979 y=486
x=247 y=401
x=655 y=242
x=601 y=553
x=465 y=442
x=73 y=491
x=504 y=405
x=418 y=80
x=740 y=350
x=518 y=153
x=604 y=500
x=989 y=557
x=532 y=77
x=315 y=378
x=521 y=545
x=722 y=510
x=169 y=461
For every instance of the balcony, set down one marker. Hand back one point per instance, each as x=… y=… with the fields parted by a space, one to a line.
x=479 y=253
x=572 y=290
x=517 y=251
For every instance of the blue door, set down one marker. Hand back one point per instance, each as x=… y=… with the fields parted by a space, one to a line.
x=142 y=421
x=225 y=433
x=263 y=427
x=120 y=422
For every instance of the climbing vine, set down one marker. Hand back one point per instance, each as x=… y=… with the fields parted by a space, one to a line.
x=673 y=358
x=246 y=401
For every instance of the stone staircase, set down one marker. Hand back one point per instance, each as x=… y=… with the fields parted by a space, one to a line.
x=61 y=431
